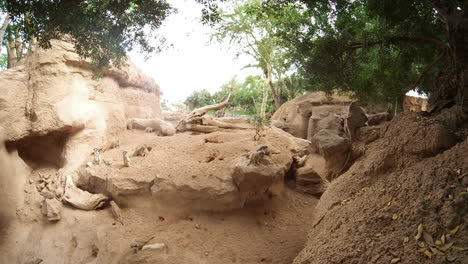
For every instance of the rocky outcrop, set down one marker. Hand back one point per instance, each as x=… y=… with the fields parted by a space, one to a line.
x=257 y=181
x=408 y=179
x=414 y=104
x=299 y=117
x=55 y=93
x=108 y=180
x=155 y=125
x=335 y=150
x=308 y=179
x=51 y=208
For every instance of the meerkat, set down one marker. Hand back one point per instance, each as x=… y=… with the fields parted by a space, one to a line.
x=141 y=151
x=97 y=156
x=256 y=156
x=126 y=159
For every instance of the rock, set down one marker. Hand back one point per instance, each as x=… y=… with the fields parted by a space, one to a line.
x=297 y=146
x=159 y=126
x=379 y=118
x=309 y=181
x=82 y=199
x=160 y=247
x=35 y=261
x=332 y=123
x=335 y=150
x=52 y=103
x=297 y=116
x=110 y=181
x=414 y=104
x=47 y=194
x=51 y=208
x=257 y=182
x=116 y=212
x=356 y=118
x=220 y=195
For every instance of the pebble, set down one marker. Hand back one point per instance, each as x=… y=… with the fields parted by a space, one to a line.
x=155 y=247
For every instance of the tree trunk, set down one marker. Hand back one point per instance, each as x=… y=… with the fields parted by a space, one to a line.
x=264 y=101
x=18 y=46
x=3 y=28
x=451 y=86
x=276 y=96
x=11 y=52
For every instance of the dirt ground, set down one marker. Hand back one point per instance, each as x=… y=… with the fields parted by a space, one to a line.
x=270 y=232
x=404 y=201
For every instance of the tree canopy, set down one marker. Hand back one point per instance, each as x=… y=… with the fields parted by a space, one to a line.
x=378 y=49
x=102 y=30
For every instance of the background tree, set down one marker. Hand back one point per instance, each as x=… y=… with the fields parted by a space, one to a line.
x=380 y=49
x=3 y=61
x=198 y=99
x=247 y=95
x=243 y=25
x=102 y=30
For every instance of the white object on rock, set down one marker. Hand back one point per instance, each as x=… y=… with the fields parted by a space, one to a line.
x=51 y=208
x=82 y=199
x=155 y=247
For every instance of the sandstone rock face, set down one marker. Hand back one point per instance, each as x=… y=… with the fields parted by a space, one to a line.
x=157 y=125
x=54 y=92
x=51 y=208
x=356 y=118
x=257 y=182
x=107 y=180
x=218 y=196
x=308 y=180
x=414 y=104
x=299 y=116
x=335 y=150
x=379 y=118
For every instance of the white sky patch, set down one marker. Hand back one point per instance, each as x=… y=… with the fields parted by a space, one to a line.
x=192 y=63
x=414 y=93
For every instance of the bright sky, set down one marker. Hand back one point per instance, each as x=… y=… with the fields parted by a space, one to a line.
x=192 y=63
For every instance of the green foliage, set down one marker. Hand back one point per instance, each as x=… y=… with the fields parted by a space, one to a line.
x=246 y=95
x=3 y=61
x=179 y=106
x=199 y=99
x=378 y=49
x=103 y=30
x=245 y=26
x=259 y=123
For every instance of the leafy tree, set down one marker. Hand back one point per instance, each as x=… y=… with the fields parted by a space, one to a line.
x=3 y=61
x=242 y=24
x=379 y=49
x=102 y=30
x=198 y=99
x=248 y=95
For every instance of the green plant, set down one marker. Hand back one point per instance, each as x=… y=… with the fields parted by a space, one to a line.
x=259 y=123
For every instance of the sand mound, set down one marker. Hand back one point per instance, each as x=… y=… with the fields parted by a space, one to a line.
x=413 y=173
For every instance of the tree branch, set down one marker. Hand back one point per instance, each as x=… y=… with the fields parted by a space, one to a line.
x=394 y=40
x=427 y=69
x=3 y=28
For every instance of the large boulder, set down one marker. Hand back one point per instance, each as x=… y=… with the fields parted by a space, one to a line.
x=54 y=94
x=298 y=116
x=260 y=181
x=51 y=208
x=356 y=118
x=335 y=150
x=414 y=104
x=308 y=178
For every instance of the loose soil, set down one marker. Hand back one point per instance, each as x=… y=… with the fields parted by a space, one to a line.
x=270 y=232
